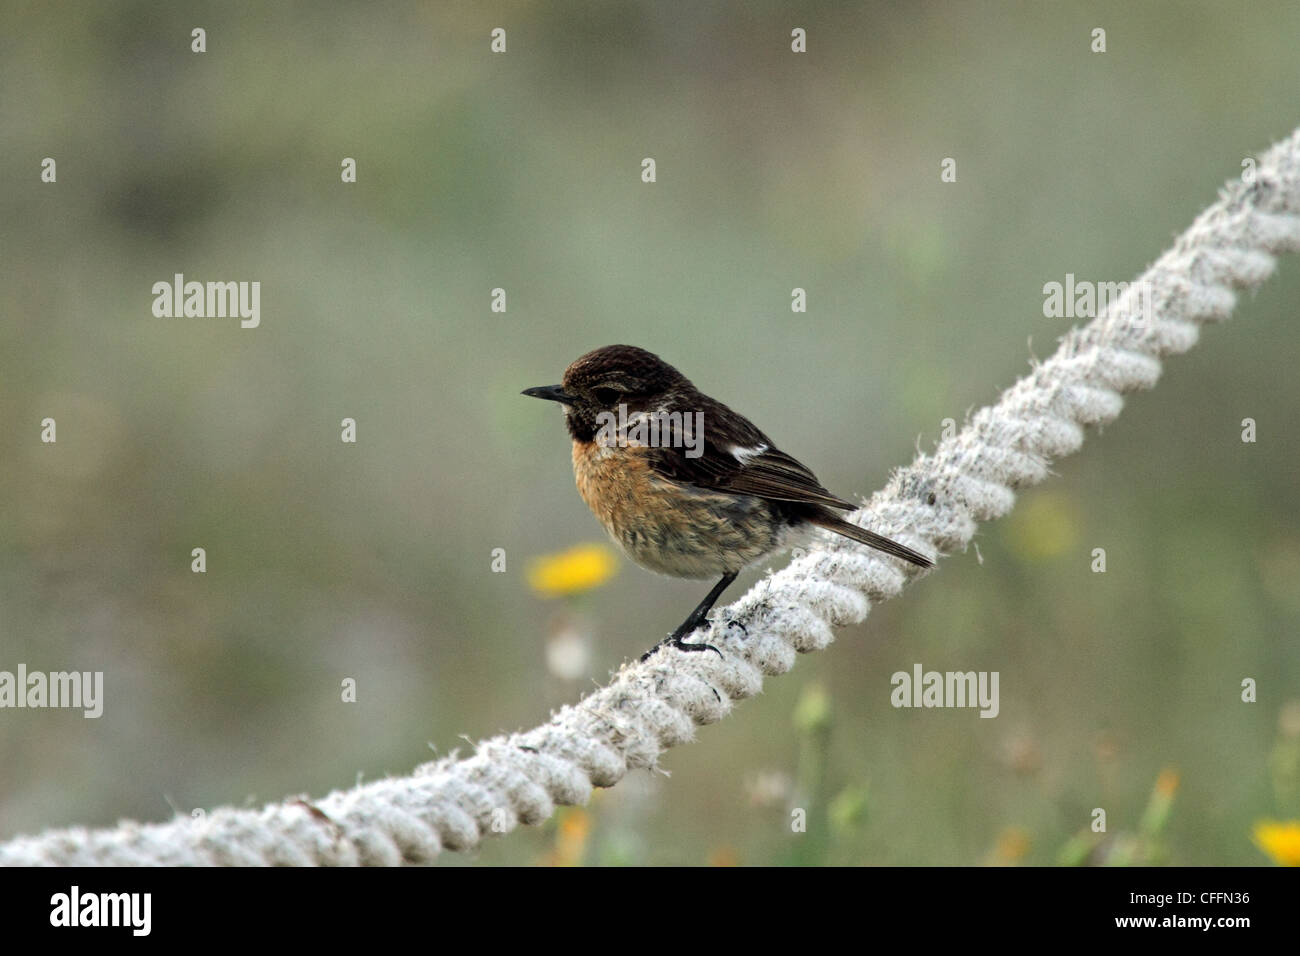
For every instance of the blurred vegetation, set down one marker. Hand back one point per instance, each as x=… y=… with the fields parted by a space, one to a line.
x=476 y=171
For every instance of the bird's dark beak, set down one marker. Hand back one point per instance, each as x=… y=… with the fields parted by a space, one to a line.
x=552 y=393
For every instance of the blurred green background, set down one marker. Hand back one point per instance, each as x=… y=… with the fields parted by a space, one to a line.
x=522 y=171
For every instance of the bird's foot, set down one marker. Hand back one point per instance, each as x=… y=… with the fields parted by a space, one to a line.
x=675 y=639
x=680 y=645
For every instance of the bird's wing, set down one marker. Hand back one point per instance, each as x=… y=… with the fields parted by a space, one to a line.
x=738 y=458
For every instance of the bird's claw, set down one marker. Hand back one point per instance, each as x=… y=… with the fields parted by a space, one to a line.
x=677 y=642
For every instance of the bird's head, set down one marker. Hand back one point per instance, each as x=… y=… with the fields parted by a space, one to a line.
x=608 y=377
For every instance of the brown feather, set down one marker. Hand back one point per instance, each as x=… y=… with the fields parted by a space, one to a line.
x=870 y=538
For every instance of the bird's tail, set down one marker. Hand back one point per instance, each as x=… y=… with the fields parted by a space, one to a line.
x=870 y=538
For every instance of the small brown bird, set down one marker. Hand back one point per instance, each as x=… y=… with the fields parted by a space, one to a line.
x=686 y=486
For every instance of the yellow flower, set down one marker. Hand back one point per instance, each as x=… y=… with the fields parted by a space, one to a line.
x=571 y=837
x=1281 y=841
x=579 y=569
x=723 y=856
x=1156 y=814
x=1167 y=783
x=1012 y=846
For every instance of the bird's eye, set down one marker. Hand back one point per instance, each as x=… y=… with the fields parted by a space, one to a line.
x=605 y=396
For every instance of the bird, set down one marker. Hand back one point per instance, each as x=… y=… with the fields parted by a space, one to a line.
x=686 y=486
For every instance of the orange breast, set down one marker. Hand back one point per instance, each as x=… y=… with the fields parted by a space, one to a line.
x=616 y=485
x=672 y=529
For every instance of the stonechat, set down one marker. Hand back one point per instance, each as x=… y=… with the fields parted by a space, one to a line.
x=686 y=486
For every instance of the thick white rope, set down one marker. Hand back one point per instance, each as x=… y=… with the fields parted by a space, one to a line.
x=933 y=505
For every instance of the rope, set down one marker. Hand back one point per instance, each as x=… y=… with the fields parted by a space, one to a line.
x=933 y=505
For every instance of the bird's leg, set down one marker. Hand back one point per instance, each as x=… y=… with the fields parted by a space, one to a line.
x=700 y=614
x=695 y=620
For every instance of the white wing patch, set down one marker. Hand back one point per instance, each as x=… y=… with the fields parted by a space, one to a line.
x=746 y=455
